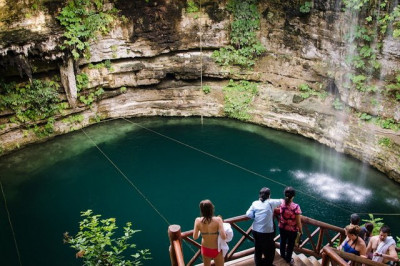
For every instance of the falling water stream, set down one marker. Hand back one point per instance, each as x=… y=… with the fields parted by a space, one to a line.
x=172 y=166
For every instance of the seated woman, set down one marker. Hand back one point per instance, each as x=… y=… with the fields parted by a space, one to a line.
x=353 y=243
x=209 y=227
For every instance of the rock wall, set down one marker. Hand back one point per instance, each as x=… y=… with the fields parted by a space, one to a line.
x=159 y=57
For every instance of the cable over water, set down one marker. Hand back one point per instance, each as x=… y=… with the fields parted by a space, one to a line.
x=11 y=226
x=250 y=171
x=132 y=184
x=127 y=179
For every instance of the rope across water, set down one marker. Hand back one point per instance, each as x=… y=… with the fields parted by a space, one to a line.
x=11 y=225
x=252 y=172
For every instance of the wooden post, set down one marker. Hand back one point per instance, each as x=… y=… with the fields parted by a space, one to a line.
x=174 y=233
x=325 y=259
x=320 y=239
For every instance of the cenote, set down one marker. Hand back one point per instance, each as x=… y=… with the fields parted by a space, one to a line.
x=173 y=163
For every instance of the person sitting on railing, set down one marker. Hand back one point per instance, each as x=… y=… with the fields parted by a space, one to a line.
x=383 y=246
x=209 y=226
x=353 y=243
x=289 y=224
x=262 y=211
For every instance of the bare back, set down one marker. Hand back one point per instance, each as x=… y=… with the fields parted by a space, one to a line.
x=209 y=231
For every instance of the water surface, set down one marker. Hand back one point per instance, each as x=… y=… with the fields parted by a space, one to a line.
x=170 y=168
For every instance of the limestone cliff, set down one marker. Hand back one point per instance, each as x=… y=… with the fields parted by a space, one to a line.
x=160 y=54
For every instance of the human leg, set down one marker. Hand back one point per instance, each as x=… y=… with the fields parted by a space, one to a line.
x=291 y=236
x=269 y=251
x=206 y=261
x=284 y=238
x=219 y=260
x=258 y=247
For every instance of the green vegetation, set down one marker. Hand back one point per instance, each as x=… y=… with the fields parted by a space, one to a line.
x=95 y=241
x=306 y=7
x=105 y=64
x=90 y=97
x=365 y=117
x=386 y=142
x=73 y=119
x=307 y=92
x=83 y=20
x=386 y=123
x=206 y=89
x=238 y=97
x=394 y=87
x=338 y=104
x=96 y=118
x=244 y=46
x=122 y=89
x=377 y=222
x=376 y=18
x=30 y=101
x=82 y=81
x=192 y=7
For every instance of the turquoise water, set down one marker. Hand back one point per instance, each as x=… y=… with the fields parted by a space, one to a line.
x=47 y=185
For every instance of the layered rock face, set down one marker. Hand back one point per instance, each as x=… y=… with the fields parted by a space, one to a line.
x=161 y=55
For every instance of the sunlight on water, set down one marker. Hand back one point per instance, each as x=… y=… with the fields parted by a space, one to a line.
x=332 y=188
x=274 y=170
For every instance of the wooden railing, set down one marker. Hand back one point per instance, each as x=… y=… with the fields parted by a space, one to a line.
x=316 y=236
x=334 y=257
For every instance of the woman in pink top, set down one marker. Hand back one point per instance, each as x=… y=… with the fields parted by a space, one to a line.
x=289 y=224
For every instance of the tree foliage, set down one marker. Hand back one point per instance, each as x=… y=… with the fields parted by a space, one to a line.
x=244 y=46
x=96 y=242
x=83 y=20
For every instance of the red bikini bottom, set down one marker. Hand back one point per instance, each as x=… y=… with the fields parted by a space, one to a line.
x=209 y=252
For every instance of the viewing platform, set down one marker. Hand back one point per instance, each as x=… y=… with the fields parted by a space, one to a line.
x=316 y=249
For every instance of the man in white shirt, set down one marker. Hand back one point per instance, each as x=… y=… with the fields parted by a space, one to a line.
x=262 y=211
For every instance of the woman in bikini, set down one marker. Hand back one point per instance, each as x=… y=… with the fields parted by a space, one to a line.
x=209 y=227
x=353 y=243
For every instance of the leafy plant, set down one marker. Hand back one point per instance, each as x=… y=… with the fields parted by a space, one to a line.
x=379 y=16
x=89 y=98
x=387 y=142
x=83 y=20
x=206 y=89
x=30 y=101
x=394 y=87
x=82 y=81
x=337 y=104
x=377 y=222
x=306 y=7
x=46 y=130
x=95 y=241
x=244 y=46
x=238 y=97
x=192 y=7
x=122 y=89
x=307 y=92
x=365 y=116
x=73 y=118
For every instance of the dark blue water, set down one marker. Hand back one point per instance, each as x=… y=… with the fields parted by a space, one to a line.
x=47 y=185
